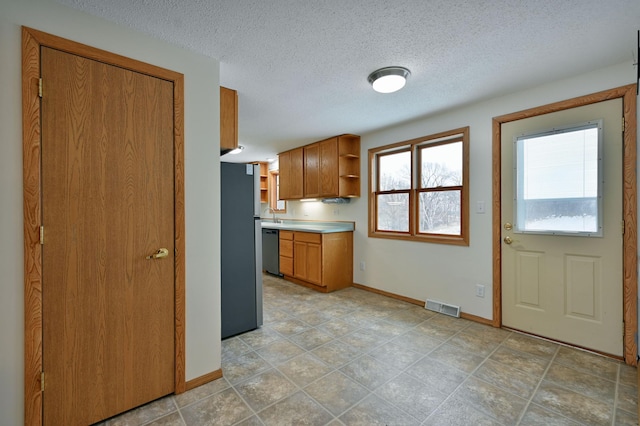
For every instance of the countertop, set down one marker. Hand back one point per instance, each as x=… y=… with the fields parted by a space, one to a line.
x=317 y=227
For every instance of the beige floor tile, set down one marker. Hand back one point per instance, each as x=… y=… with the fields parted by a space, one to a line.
x=628 y=398
x=298 y=409
x=586 y=384
x=304 y=369
x=628 y=375
x=223 y=408
x=375 y=411
x=311 y=339
x=531 y=345
x=573 y=405
x=369 y=372
x=338 y=327
x=456 y=357
x=395 y=355
x=492 y=401
x=173 y=419
x=243 y=367
x=336 y=354
x=507 y=378
x=411 y=396
x=280 y=351
x=538 y=416
x=437 y=375
x=527 y=363
x=259 y=338
x=474 y=342
x=624 y=418
x=455 y=412
x=588 y=362
x=452 y=323
x=264 y=389
x=363 y=339
x=435 y=330
x=336 y=392
x=417 y=341
x=289 y=327
x=234 y=347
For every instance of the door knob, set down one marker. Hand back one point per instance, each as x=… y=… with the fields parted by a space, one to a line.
x=508 y=240
x=508 y=226
x=160 y=253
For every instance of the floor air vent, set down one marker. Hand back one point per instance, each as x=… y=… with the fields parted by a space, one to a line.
x=443 y=308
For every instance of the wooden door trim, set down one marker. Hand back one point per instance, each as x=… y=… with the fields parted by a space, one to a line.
x=32 y=41
x=629 y=205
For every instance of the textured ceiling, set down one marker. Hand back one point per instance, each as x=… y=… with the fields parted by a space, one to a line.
x=300 y=67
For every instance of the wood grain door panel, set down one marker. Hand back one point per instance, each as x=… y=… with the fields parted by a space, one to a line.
x=108 y=202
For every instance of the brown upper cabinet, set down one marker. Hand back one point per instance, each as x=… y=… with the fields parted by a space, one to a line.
x=228 y=120
x=324 y=169
x=291 y=170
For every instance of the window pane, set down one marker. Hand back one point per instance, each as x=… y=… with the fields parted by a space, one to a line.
x=440 y=212
x=393 y=212
x=558 y=182
x=441 y=165
x=395 y=171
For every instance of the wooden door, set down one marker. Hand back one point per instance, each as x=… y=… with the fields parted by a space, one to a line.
x=561 y=262
x=107 y=204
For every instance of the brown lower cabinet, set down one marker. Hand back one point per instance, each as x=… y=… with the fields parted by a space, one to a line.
x=323 y=262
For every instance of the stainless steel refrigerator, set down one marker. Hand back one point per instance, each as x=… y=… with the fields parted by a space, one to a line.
x=241 y=248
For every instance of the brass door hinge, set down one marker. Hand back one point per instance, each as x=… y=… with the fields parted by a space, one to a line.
x=40 y=87
x=622 y=227
x=42 y=235
x=42 y=381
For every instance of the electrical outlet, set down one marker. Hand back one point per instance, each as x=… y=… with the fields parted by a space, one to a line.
x=479 y=290
x=363 y=265
x=336 y=212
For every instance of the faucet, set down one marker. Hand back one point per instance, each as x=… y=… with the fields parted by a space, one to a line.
x=273 y=212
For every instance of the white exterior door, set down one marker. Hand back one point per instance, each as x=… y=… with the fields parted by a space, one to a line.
x=562 y=226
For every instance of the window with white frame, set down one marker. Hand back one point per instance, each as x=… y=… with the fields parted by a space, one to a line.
x=419 y=189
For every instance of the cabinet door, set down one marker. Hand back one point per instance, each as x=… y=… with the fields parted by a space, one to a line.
x=296 y=173
x=284 y=161
x=228 y=119
x=328 y=168
x=314 y=263
x=300 y=260
x=312 y=175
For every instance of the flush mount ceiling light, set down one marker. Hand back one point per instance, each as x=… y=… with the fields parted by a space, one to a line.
x=389 y=79
x=237 y=150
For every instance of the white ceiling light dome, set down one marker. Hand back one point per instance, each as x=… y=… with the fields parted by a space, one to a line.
x=389 y=79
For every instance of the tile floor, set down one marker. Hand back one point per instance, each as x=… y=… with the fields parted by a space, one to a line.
x=357 y=358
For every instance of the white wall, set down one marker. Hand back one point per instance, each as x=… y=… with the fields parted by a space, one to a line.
x=201 y=182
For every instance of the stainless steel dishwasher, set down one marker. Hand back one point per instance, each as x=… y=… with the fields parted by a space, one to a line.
x=271 y=251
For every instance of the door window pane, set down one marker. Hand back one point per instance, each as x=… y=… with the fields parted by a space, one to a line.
x=558 y=181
